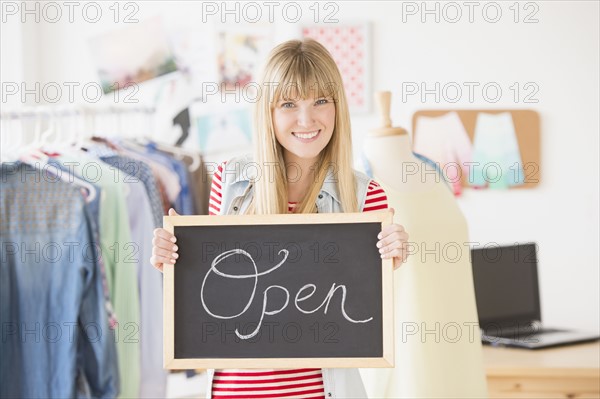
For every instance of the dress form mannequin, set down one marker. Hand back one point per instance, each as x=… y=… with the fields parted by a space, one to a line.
x=438 y=343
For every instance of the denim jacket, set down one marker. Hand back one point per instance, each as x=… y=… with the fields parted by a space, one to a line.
x=239 y=173
x=236 y=178
x=56 y=340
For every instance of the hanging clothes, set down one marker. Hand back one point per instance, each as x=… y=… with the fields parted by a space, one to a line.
x=165 y=177
x=153 y=376
x=150 y=173
x=117 y=252
x=52 y=305
x=199 y=179
x=132 y=189
x=184 y=201
x=141 y=171
x=94 y=209
x=142 y=221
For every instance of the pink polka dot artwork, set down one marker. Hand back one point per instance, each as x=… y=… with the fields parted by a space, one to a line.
x=349 y=47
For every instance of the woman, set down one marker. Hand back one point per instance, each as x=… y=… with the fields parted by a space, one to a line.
x=303 y=164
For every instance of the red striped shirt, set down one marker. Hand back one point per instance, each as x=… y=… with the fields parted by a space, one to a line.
x=292 y=383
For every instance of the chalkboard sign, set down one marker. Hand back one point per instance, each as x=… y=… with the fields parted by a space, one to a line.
x=278 y=291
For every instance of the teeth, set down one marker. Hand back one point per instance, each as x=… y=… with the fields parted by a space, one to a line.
x=306 y=135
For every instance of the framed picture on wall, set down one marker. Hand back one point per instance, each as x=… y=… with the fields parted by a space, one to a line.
x=349 y=44
x=240 y=50
x=224 y=130
x=131 y=55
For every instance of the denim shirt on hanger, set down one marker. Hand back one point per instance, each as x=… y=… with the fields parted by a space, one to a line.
x=51 y=295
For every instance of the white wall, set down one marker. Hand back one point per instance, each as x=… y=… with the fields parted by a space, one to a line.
x=559 y=54
x=11 y=57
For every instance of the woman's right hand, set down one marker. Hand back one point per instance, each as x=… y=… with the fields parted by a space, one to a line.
x=164 y=249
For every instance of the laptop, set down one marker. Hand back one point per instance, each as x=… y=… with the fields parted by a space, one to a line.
x=508 y=299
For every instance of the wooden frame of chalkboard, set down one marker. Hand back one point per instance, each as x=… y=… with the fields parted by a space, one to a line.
x=361 y=342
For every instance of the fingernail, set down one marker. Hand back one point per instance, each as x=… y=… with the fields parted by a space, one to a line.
x=381 y=251
x=175 y=256
x=379 y=244
x=173 y=239
x=174 y=247
x=379 y=236
x=172 y=260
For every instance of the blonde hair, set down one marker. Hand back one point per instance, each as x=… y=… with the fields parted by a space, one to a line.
x=301 y=69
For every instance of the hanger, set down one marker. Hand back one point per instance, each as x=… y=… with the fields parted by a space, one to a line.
x=46 y=145
x=36 y=158
x=136 y=144
x=5 y=137
x=140 y=144
x=181 y=152
x=12 y=152
x=183 y=120
x=74 y=134
x=42 y=163
x=31 y=153
x=72 y=179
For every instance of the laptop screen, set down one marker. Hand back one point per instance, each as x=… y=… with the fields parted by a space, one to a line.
x=506 y=285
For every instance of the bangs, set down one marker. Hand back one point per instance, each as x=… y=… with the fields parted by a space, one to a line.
x=301 y=79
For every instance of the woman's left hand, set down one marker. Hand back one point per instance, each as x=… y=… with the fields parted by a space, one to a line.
x=393 y=241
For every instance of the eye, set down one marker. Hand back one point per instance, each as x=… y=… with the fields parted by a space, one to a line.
x=322 y=101
x=287 y=104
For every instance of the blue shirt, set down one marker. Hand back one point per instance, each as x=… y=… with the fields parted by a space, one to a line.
x=142 y=172
x=184 y=203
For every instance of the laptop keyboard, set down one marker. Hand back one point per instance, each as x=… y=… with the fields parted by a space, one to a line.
x=526 y=333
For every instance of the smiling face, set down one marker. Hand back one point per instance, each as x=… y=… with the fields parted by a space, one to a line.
x=302 y=94
x=304 y=127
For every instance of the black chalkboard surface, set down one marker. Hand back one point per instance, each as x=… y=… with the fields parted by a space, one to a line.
x=278 y=291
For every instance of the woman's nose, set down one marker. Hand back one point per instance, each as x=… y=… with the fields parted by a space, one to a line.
x=305 y=117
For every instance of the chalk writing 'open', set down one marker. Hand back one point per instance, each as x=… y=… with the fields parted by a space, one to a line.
x=255 y=276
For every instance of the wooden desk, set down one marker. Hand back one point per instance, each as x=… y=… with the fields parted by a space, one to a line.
x=562 y=372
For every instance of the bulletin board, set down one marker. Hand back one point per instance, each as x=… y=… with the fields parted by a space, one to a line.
x=527 y=131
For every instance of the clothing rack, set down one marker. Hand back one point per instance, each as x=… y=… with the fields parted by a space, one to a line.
x=58 y=111
x=58 y=124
